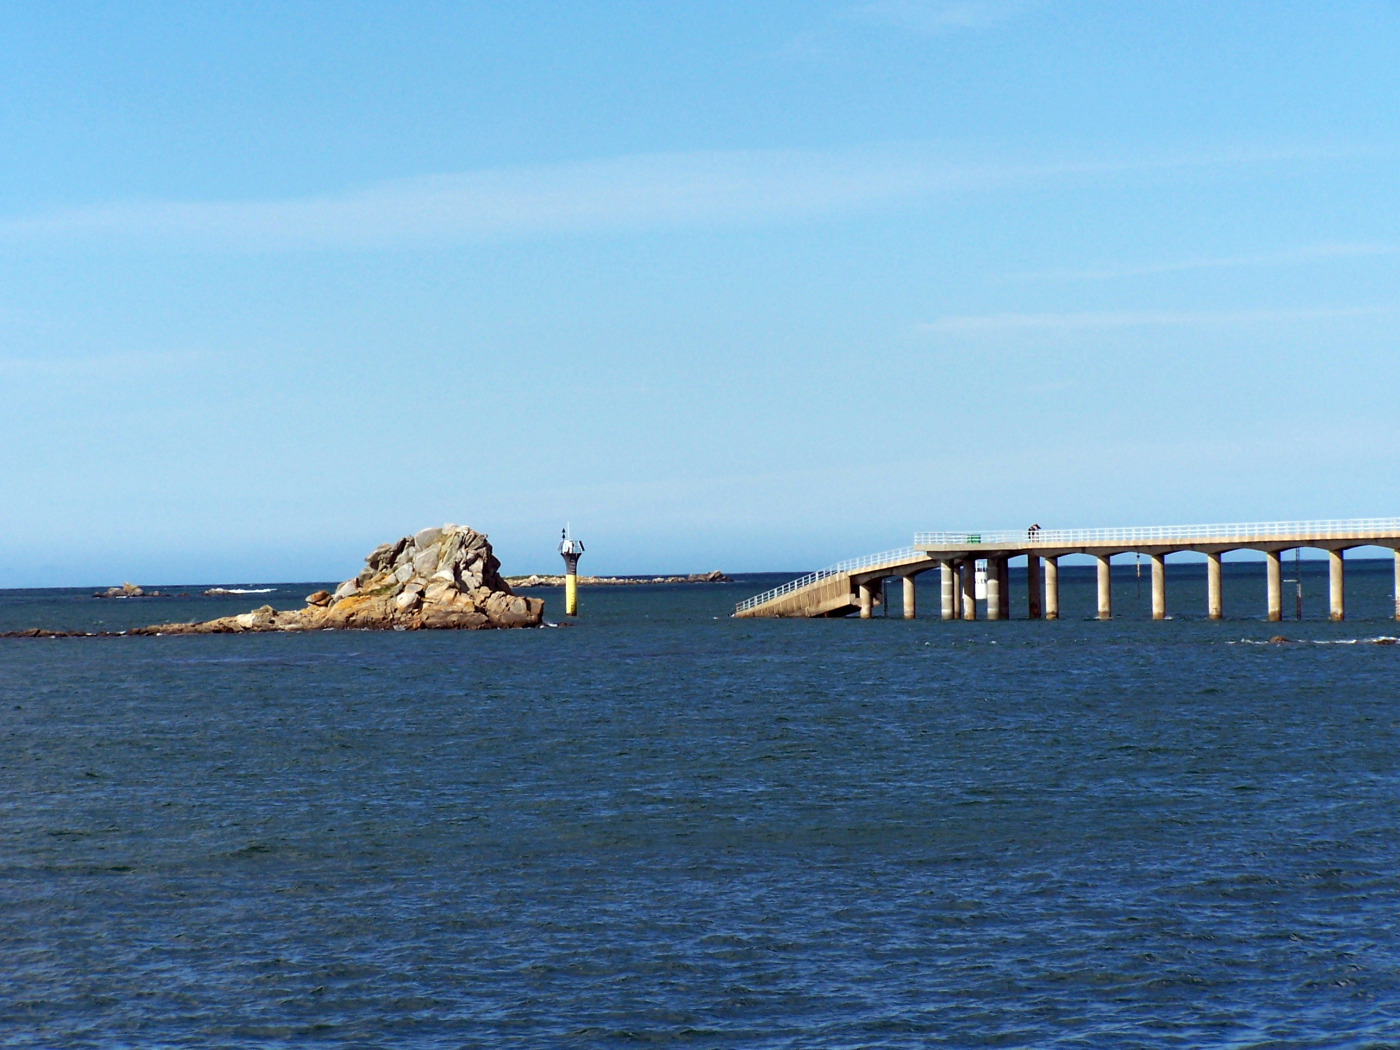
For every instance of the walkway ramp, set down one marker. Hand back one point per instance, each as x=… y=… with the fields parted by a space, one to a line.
x=833 y=591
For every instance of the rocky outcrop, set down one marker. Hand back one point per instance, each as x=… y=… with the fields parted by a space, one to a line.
x=438 y=578
x=617 y=581
x=128 y=590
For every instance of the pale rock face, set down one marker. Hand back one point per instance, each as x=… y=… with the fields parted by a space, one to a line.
x=426 y=562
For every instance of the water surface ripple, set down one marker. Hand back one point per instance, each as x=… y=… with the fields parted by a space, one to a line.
x=669 y=827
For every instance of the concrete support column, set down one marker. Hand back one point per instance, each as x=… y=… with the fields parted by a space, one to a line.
x=1336 y=586
x=909 y=597
x=1052 y=588
x=1105 y=590
x=1214 y=601
x=968 y=571
x=1004 y=578
x=1159 y=586
x=1397 y=583
x=867 y=597
x=1033 y=585
x=994 y=588
x=947 y=575
x=1275 y=574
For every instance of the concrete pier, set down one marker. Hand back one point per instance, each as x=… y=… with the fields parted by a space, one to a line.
x=849 y=586
x=1336 y=586
x=1159 y=586
x=1275 y=576
x=867 y=597
x=1214 y=604
x=1105 y=589
x=908 y=597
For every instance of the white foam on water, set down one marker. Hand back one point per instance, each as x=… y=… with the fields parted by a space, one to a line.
x=1380 y=639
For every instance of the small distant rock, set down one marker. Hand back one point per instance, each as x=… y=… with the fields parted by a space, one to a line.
x=1278 y=639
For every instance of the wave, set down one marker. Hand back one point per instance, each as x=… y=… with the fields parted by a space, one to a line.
x=240 y=590
x=1380 y=639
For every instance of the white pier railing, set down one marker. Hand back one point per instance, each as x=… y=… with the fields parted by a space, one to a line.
x=1155 y=534
x=902 y=554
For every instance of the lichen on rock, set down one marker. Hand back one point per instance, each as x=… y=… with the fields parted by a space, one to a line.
x=436 y=579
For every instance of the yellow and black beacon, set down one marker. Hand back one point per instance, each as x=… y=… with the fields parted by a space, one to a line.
x=570 y=549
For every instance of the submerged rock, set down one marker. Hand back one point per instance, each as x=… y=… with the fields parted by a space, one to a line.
x=439 y=578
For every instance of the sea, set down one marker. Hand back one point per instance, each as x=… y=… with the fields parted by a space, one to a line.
x=663 y=826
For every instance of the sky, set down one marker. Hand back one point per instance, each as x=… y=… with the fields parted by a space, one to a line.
x=722 y=285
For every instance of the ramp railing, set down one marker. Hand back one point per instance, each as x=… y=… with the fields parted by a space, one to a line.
x=869 y=561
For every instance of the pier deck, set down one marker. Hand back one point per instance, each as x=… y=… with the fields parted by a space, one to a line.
x=851 y=586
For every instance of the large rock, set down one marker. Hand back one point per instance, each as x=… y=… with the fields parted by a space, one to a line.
x=439 y=578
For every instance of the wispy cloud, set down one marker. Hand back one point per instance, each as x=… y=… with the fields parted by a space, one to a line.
x=103 y=366
x=935 y=17
x=921 y=18
x=625 y=193
x=978 y=324
x=1289 y=257
x=647 y=192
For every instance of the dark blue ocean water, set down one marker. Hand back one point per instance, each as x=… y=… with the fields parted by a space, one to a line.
x=667 y=827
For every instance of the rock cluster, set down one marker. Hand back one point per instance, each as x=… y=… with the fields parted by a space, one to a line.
x=437 y=578
x=617 y=581
x=127 y=590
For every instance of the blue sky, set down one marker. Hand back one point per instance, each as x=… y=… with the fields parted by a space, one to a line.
x=724 y=285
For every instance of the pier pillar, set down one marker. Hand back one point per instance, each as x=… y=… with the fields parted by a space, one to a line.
x=1159 y=586
x=909 y=597
x=1105 y=590
x=1004 y=576
x=1214 y=601
x=947 y=591
x=1271 y=559
x=994 y=588
x=1033 y=585
x=968 y=571
x=867 y=597
x=1052 y=588
x=1397 y=583
x=1335 y=586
